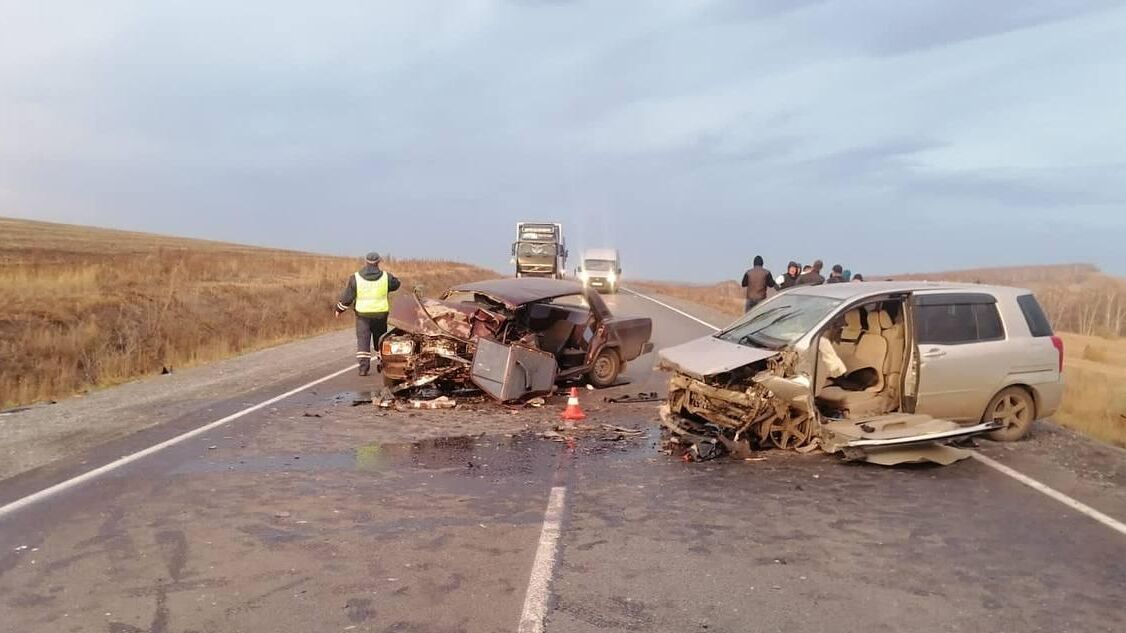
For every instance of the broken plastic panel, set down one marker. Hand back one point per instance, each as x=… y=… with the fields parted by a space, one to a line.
x=512 y=372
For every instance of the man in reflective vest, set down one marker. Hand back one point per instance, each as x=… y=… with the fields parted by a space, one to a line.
x=368 y=293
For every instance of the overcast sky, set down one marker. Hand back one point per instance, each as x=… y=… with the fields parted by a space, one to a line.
x=886 y=135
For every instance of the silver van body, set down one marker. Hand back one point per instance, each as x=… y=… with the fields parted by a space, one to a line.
x=908 y=355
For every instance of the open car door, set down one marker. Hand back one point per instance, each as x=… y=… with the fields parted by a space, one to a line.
x=899 y=438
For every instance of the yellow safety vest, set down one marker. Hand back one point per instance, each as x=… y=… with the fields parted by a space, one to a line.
x=372 y=296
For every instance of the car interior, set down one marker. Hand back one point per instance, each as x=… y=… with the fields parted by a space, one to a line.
x=561 y=329
x=871 y=341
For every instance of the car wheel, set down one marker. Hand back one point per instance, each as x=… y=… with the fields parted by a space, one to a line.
x=1015 y=409
x=605 y=368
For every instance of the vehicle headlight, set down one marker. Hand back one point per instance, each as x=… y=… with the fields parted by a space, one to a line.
x=398 y=347
x=611 y=276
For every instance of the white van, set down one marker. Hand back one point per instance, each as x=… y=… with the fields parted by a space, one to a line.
x=601 y=269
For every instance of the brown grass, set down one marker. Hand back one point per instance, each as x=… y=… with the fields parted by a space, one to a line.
x=1076 y=297
x=86 y=307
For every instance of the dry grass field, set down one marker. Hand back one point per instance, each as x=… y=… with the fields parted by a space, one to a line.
x=1086 y=306
x=85 y=307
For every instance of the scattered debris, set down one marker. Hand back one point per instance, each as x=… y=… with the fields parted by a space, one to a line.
x=441 y=402
x=536 y=402
x=644 y=396
x=282 y=514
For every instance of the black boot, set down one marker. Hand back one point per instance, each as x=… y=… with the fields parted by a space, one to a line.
x=365 y=367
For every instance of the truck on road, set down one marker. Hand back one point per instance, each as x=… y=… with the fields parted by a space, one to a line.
x=601 y=269
x=540 y=250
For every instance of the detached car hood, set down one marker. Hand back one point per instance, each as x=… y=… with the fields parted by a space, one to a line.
x=709 y=356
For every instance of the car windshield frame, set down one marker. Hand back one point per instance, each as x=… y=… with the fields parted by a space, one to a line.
x=600 y=265
x=781 y=321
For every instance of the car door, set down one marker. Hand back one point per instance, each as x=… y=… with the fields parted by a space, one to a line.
x=960 y=346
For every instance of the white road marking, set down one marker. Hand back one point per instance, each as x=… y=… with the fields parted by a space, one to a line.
x=667 y=306
x=128 y=459
x=1078 y=506
x=1111 y=523
x=535 y=601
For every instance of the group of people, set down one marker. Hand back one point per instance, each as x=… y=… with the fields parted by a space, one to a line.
x=757 y=280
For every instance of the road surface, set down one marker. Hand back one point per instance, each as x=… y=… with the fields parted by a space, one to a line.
x=309 y=514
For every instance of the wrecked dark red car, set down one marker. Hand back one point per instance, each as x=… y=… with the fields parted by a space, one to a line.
x=510 y=338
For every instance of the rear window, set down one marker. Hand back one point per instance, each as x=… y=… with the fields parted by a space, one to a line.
x=959 y=323
x=1034 y=316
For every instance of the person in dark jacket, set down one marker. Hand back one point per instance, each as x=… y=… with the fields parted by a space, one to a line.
x=790 y=279
x=756 y=281
x=836 y=276
x=368 y=293
x=813 y=277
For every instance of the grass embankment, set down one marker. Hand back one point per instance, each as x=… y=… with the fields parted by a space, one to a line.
x=85 y=307
x=1078 y=297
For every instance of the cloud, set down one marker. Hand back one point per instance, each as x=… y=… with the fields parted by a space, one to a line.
x=701 y=129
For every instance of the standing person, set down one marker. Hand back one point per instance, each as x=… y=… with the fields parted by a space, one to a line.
x=756 y=281
x=368 y=293
x=813 y=277
x=790 y=279
x=836 y=276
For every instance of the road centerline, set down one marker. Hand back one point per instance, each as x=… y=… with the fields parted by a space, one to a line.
x=543 y=567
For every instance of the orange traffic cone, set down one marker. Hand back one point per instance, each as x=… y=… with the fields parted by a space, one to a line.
x=573 y=411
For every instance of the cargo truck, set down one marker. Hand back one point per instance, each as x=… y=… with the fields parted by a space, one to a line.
x=540 y=250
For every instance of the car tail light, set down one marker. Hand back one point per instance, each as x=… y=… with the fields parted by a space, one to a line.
x=1057 y=342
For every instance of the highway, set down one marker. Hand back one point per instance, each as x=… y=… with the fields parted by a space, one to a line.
x=304 y=513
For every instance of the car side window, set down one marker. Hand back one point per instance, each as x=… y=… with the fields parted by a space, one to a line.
x=958 y=323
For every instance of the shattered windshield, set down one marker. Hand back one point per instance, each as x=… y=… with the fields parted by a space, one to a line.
x=779 y=322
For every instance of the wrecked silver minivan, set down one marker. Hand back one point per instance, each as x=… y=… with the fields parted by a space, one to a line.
x=839 y=367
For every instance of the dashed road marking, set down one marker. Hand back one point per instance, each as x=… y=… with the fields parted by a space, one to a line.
x=1078 y=506
x=543 y=567
x=128 y=459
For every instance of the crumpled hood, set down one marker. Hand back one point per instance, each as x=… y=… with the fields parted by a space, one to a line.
x=709 y=355
x=406 y=315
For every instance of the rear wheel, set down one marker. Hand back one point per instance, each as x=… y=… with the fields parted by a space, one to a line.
x=1015 y=409
x=605 y=368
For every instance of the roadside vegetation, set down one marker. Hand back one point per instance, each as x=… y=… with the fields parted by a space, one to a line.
x=1087 y=308
x=85 y=307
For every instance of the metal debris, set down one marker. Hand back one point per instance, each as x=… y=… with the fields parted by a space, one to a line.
x=644 y=396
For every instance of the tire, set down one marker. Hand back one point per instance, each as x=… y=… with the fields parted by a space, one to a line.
x=605 y=368
x=1016 y=408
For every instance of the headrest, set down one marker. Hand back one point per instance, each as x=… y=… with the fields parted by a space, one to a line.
x=886 y=323
x=852 y=320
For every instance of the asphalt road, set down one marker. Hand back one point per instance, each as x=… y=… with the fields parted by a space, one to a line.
x=312 y=515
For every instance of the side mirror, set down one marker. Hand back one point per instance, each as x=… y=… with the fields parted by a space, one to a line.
x=514 y=249
x=512 y=260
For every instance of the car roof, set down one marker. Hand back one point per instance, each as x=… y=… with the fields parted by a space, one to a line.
x=858 y=290
x=518 y=291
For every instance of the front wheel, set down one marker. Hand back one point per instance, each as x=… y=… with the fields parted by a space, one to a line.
x=1015 y=409
x=605 y=368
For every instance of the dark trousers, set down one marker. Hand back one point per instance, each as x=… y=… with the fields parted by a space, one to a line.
x=749 y=303
x=369 y=327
